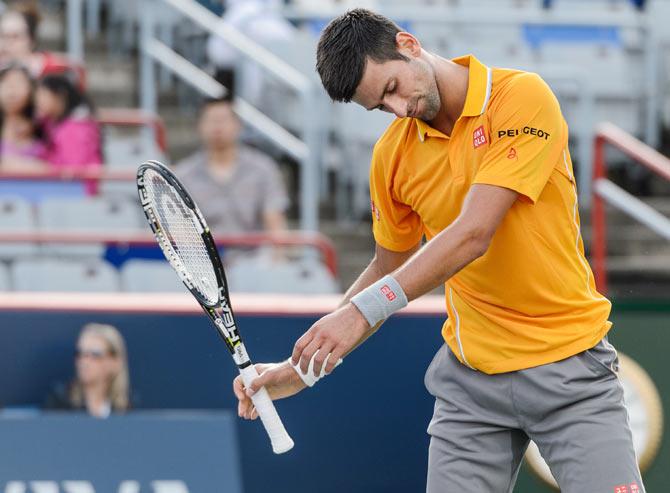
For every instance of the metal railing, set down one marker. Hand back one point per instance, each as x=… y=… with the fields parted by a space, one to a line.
x=75 y=36
x=303 y=149
x=606 y=191
x=316 y=241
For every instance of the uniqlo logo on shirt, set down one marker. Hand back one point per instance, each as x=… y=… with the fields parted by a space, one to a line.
x=621 y=489
x=375 y=210
x=634 y=488
x=388 y=292
x=478 y=137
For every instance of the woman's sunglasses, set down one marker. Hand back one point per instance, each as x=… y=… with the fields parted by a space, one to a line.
x=90 y=353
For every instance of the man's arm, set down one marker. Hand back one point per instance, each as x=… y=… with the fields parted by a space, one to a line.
x=465 y=240
x=280 y=379
x=274 y=221
x=384 y=262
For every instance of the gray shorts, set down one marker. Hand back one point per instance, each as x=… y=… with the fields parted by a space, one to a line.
x=573 y=409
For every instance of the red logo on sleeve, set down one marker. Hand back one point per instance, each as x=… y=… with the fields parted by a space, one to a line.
x=388 y=292
x=621 y=489
x=634 y=488
x=478 y=137
x=375 y=210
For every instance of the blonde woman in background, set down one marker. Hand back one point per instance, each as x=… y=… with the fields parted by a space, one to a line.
x=101 y=385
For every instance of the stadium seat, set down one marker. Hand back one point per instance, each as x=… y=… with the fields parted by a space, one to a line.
x=88 y=215
x=37 y=190
x=130 y=151
x=262 y=274
x=126 y=152
x=131 y=136
x=149 y=276
x=5 y=284
x=16 y=215
x=52 y=274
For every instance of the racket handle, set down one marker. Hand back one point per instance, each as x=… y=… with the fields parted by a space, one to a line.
x=281 y=441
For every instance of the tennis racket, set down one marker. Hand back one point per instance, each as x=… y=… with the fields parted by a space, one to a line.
x=183 y=235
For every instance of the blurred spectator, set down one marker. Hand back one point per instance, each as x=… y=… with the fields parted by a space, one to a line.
x=101 y=385
x=72 y=134
x=18 y=43
x=21 y=146
x=238 y=188
x=260 y=20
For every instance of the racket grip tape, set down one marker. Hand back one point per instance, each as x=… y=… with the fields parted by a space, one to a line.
x=280 y=439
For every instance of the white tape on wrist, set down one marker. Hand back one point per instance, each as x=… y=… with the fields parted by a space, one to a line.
x=309 y=377
x=380 y=300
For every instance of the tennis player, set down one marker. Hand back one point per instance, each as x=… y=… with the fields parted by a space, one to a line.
x=477 y=161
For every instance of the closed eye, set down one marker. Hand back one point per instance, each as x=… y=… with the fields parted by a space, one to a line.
x=389 y=89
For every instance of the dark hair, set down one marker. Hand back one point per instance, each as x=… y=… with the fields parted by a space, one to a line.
x=211 y=101
x=225 y=77
x=29 y=109
x=31 y=15
x=346 y=43
x=67 y=90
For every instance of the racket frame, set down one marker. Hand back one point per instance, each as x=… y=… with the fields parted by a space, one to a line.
x=220 y=312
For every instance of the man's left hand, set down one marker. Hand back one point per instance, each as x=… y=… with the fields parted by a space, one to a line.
x=336 y=334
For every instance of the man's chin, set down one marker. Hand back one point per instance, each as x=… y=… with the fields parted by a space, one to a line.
x=427 y=117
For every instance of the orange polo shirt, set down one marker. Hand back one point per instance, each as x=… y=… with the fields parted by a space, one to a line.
x=531 y=298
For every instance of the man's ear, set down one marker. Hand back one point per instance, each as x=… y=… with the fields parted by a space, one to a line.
x=407 y=44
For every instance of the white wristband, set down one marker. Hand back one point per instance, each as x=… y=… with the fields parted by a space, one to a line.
x=309 y=377
x=380 y=300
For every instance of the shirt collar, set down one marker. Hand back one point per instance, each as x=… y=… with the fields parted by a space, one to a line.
x=479 y=85
x=476 y=99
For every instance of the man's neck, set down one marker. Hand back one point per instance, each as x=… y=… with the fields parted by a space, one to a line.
x=452 y=83
x=221 y=157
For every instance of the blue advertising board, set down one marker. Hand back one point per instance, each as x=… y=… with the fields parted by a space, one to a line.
x=361 y=430
x=352 y=432
x=144 y=452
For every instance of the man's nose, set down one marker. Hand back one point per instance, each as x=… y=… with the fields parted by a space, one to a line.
x=396 y=104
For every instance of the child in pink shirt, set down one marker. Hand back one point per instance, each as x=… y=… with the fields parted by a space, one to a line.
x=71 y=133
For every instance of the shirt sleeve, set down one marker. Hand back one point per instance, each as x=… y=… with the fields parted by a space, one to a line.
x=395 y=225
x=76 y=144
x=275 y=198
x=527 y=135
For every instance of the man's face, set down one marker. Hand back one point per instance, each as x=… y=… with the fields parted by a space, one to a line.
x=219 y=126
x=404 y=88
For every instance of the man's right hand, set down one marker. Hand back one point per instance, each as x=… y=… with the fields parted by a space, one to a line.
x=279 y=379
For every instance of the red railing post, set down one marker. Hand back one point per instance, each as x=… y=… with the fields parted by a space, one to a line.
x=598 y=223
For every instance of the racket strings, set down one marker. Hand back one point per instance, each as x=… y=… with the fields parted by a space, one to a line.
x=180 y=237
